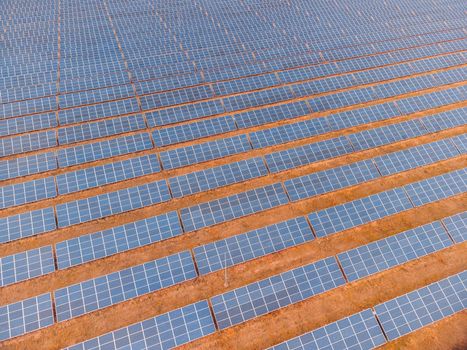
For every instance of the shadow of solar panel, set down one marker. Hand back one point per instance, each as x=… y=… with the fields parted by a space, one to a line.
x=330 y=180
x=395 y=250
x=232 y=207
x=27 y=143
x=165 y=331
x=251 y=245
x=24 y=166
x=358 y=212
x=457 y=227
x=26 y=265
x=359 y=331
x=107 y=290
x=262 y=297
x=423 y=306
x=112 y=203
x=216 y=177
x=20 y=125
x=438 y=187
x=27 y=192
x=101 y=244
x=25 y=316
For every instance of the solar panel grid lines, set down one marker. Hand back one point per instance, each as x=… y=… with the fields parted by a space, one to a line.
x=19 y=125
x=29 y=165
x=358 y=331
x=107 y=290
x=118 y=239
x=27 y=192
x=238 y=249
x=358 y=212
x=330 y=180
x=232 y=207
x=446 y=120
x=394 y=250
x=258 y=298
x=456 y=226
x=460 y=142
x=25 y=316
x=26 y=265
x=424 y=306
x=111 y=203
x=164 y=331
x=175 y=97
x=27 y=143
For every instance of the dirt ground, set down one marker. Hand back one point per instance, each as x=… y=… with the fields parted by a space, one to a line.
x=282 y=324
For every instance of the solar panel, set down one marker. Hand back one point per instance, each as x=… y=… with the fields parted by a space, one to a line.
x=26 y=265
x=175 y=97
x=27 y=143
x=415 y=157
x=245 y=84
x=27 y=192
x=107 y=290
x=461 y=143
x=216 y=177
x=330 y=180
x=203 y=152
x=165 y=331
x=457 y=227
x=106 y=204
x=438 y=187
x=30 y=123
x=25 y=316
x=446 y=120
x=101 y=175
x=258 y=98
x=232 y=207
x=307 y=154
x=342 y=99
x=359 y=331
x=27 y=224
x=24 y=166
x=17 y=109
x=262 y=297
x=193 y=131
x=95 y=96
x=250 y=245
x=118 y=239
x=411 y=311
x=392 y=251
x=358 y=212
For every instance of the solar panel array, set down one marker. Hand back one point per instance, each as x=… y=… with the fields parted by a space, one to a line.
x=209 y=132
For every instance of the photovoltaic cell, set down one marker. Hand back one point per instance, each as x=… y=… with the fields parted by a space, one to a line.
x=461 y=143
x=457 y=226
x=414 y=310
x=262 y=297
x=232 y=207
x=27 y=143
x=98 y=293
x=100 y=244
x=250 y=245
x=26 y=265
x=165 y=331
x=446 y=120
x=30 y=123
x=27 y=192
x=18 y=167
x=395 y=250
x=360 y=331
x=358 y=212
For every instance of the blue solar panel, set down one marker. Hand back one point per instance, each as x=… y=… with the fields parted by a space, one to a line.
x=95 y=96
x=330 y=180
x=271 y=114
x=27 y=143
x=220 y=176
x=25 y=316
x=100 y=244
x=358 y=212
x=446 y=120
x=111 y=203
x=415 y=157
x=103 y=128
x=18 y=167
x=232 y=207
x=27 y=192
x=175 y=97
x=17 y=109
x=360 y=331
x=245 y=84
x=303 y=155
x=203 y=152
x=342 y=99
x=258 y=98
x=25 y=265
x=461 y=143
x=26 y=124
x=414 y=310
x=250 y=245
x=95 y=294
x=165 y=331
x=438 y=187
x=167 y=83
x=262 y=297
x=104 y=149
x=395 y=250
x=457 y=227
x=193 y=131
x=27 y=224
x=83 y=179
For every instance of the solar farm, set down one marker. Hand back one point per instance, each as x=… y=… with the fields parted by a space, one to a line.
x=252 y=174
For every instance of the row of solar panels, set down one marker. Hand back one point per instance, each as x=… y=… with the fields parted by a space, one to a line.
x=25 y=265
x=246 y=302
